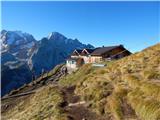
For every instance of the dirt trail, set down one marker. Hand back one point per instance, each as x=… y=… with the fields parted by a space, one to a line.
x=72 y=105
x=19 y=95
x=75 y=108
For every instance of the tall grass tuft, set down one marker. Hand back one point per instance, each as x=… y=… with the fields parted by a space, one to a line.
x=145 y=107
x=133 y=81
x=114 y=103
x=151 y=89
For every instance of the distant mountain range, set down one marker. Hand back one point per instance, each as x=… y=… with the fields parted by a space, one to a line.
x=22 y=56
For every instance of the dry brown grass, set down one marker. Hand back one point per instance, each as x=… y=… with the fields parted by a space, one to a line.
x=151 y=74
x=43 y=105
x=151 y=89
x=132 y=81
x=147 y=108
x=114 y=103
x=124 y=76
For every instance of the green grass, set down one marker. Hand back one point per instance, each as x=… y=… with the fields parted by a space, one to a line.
x=80 y=74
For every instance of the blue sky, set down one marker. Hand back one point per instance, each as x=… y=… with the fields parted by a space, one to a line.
x=133 y=24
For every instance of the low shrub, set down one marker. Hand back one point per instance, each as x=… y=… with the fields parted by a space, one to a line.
x=133 y=81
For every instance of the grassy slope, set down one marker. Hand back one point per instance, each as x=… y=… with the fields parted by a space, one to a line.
x=127 y=89
x=45 y=104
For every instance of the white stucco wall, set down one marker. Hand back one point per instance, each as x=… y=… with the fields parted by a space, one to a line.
x=89 y=59
x=95 y=59
x=86 y=59
x=71 y=64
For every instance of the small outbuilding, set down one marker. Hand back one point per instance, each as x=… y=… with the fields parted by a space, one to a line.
x=74 y=63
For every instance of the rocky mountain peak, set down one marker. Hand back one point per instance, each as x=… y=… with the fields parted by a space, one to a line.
x=16 y=43
x=20 y=48
x=11 y=37
x=56 y=36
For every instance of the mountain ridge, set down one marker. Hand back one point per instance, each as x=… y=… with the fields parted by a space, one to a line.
x=21 y=49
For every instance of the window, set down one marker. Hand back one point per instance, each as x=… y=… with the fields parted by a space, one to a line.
x=72 y=62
